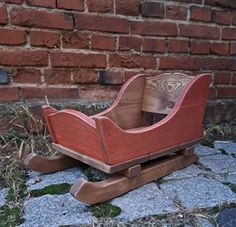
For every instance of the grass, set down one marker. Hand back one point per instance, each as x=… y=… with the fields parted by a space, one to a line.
x=10 y=216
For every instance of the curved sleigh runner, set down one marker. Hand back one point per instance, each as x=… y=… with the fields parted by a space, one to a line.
x=147 y=133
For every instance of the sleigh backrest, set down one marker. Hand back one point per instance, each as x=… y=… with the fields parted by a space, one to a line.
x=161 y=92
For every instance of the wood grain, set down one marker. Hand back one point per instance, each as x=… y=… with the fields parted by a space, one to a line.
x=92 y=193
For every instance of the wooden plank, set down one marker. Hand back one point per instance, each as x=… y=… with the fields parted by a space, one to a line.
x=92 y=193
x=43 y=164
x=131 y=171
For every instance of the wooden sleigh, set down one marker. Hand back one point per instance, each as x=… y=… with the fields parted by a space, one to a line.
x=147 y=133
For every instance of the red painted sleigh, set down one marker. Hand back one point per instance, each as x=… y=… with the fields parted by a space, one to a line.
x=150 y=118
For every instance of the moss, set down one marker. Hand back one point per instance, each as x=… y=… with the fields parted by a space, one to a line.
x=10 y=216
x=207 y=142
x=55 y=189
x=223 y=151
x=105 y=210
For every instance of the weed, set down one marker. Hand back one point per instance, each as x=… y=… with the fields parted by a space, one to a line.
x=10 y=216
x=105 y=210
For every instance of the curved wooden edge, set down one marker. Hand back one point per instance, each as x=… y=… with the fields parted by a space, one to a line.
x=98 y=192
x=43 y=164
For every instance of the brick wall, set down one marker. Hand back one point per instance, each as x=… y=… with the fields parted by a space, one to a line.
x=85 y=48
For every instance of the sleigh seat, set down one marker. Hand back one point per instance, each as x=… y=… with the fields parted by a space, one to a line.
x=151 y=117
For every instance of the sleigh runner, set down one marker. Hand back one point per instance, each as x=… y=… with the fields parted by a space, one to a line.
x=147 y=133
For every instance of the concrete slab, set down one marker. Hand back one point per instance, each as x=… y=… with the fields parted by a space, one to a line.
x=142 y=202
x=228 y=146
x=204 y=150
x=198 y=192
x=3 y=195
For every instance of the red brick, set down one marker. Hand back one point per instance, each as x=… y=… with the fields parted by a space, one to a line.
x=234 y=18
x=234 y=79
x=222 y=78
x=212 y=93
x=111 y=77
x=219 y=64
x=129 y=43
x=3 y=15
x=192 y=1
x=100 y=6
x=226 y=92
x=85 y=77
x=130 y=8
x=152 y=9
x=200 y=13
x=9 y=94
x=229 y=33
x=154 y=45
x=12 y=37
x=199 y=47
x=178 y=46
x=77 y=60
x=50 y=92
x=19 y=57
x=31 y=76
x=58 y=76
x=101 y=23
x=41 y=19
x=219 y=48
x=14 y=1
x=42 y=3
x=71 y=4
x=180 y=63
x=221 y=17
x=176 y=12
x=199 y=31
x=132 y=61
x=233 y=48
x=101 y=42
x=154 y=28
x=44 y=39
x=75 y=40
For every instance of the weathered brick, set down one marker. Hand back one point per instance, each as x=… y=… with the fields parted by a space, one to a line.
x=178 y=46
x=218 y=63
x=57 y=76
x=219 y=48
x=19 y=57
x=200 y=13
x=154 y=45
x=100 y=6
x=199 y=31
x=12 y=37
x=180 y=63
x=77 y=60
x=199 y=47
x=226 y=92
x=221 y=17
x=101 y=23
x=176 y=12
x=41 y=19
x=76 y=40
x=44 y=39
x=3 y=15
x=234 y=78
x=154 y=28
x=50 y=92
x=14 y=1
x=233 y=48
x=234 y=18
x=222 y=78
x=224 y=3
x=9 y=94
x=31 y=76
x=42 y=3
x=212 y=93
x=71 y=4
x=111 y=77
x=85 y=77
x=229 y=33
x=129 y=43
x=101 y=42
x=152 y=9
x=132 y=61
x=130 y=9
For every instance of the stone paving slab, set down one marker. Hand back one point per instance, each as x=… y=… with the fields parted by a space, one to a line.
x=231 y=179
x=198 y=192
x=204 y=150
x=3 y=195
x=54 y=211
x=190 y=171
x=142 y=202
x=228 y=146
x=68 y=176
x=219 y=163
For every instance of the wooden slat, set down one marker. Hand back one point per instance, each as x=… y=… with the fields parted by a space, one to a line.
x=92 y=193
